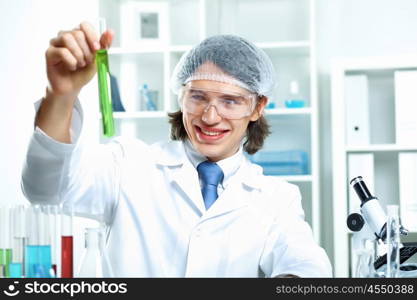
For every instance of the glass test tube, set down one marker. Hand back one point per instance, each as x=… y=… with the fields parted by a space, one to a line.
x=104 y=89
x=393 y=242
x=5 y=240
x=38 y=249
x=45 y=255
x=32 y=246
x=55 y=238
x=19 y=241
x=67 y=246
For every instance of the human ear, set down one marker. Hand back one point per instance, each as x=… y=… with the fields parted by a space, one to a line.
x=259 y=109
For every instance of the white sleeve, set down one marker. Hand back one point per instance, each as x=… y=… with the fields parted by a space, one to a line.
x=82 y=176
x=290 y=247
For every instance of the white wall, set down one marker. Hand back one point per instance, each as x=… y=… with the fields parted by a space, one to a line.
x=26 y=26
x=355 y=28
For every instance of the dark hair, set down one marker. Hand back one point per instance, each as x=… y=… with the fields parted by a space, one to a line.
x=256 y=132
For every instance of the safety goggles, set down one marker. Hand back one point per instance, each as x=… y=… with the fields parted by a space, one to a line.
x=228 y=105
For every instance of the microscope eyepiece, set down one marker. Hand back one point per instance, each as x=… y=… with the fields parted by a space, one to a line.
x=361 y=189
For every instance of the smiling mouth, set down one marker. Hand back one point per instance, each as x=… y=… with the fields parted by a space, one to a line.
x=210 y=134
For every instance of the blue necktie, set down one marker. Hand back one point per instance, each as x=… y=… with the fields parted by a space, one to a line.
x=211 y=175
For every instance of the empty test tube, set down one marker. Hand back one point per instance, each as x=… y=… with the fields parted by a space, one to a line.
x=19 y=241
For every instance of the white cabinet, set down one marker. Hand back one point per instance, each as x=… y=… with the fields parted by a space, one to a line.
x=283 y=28
x=386 y=160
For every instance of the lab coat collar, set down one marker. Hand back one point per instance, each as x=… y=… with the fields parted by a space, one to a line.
x=231 y=199
x=186 y=179
x=252 y=174
x=185 y=176
x=173 y=154
x=228 y=165
x=181 y=173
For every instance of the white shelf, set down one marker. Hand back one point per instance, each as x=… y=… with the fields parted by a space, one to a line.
x=291 y=45
x=179 y=48
x=381 y=148
x=287 y=49
x=379 y=63
x=128 y=50
x=147 y=49
x=279 y=45
x=297 y=178
x=139 y=114
x=288 y=111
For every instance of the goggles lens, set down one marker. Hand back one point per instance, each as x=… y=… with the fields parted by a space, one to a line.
x=228 y=105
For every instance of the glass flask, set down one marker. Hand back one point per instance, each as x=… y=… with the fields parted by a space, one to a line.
x=393 y=242
x=95 y=262
x=364 y=267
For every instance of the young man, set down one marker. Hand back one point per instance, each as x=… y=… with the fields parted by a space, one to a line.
x=193 y=206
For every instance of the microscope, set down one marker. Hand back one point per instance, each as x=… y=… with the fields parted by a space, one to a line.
x=370 y=228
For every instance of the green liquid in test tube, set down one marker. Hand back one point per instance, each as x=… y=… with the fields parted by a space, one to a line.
x=104 y=90
x=5 y=241
x=5 y=260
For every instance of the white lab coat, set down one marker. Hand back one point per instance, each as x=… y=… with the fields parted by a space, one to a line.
x=150 y=197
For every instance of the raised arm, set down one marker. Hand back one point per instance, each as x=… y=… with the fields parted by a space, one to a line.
x=70 y=66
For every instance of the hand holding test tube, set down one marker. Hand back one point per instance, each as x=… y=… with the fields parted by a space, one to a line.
x=71 y=62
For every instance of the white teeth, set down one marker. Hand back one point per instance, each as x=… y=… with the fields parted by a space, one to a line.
x=212 y=133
